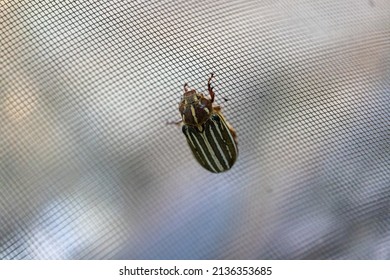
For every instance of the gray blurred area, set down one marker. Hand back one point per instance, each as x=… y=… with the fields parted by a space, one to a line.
x=89 y=169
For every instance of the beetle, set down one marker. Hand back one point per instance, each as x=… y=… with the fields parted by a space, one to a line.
x=211 y=138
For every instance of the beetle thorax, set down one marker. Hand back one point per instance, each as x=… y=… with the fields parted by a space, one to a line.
x=194 y=108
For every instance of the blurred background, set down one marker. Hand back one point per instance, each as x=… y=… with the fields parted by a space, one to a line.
x=90 y=170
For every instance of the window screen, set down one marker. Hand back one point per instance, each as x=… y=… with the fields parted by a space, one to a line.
x=89 y=168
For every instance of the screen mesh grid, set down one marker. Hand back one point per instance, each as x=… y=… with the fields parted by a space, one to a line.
x=89 y=169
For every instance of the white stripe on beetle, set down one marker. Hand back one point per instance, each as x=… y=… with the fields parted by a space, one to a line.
x=211 y=152
x=219 y=148
x=199 y=147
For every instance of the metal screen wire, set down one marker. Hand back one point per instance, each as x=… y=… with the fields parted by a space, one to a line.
x=89 y=169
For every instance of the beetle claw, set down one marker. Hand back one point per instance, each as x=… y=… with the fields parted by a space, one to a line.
x=211 y=76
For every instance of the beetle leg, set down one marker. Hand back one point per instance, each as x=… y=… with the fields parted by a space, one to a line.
x=210 y=88
x=178 y=122
x=216 y=108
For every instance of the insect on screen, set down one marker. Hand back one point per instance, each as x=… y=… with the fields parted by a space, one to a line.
x=89 y=168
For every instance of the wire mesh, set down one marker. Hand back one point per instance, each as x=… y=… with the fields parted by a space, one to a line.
x=90 y=170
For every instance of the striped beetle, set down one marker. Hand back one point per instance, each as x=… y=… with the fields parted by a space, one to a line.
x=211 y=139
